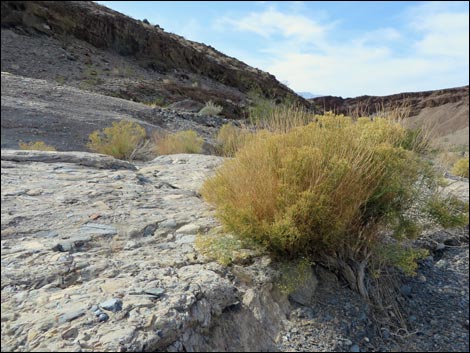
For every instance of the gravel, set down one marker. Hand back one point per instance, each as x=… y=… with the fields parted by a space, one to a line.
x=435 y=310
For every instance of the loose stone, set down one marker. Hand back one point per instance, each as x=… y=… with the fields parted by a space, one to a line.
x=113 y=305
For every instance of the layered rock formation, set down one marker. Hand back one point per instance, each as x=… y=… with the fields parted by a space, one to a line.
x=100 y=256
x=445 y=111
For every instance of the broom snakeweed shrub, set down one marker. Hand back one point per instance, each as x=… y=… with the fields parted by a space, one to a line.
x=231 y=138
x=37 y=146
x=327 y=190
x=120 y=140
x=180 y=142
x=460 y=168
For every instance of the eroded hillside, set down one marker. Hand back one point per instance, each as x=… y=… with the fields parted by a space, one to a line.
x=100 y=254
x=444 y=111
x=89 y=46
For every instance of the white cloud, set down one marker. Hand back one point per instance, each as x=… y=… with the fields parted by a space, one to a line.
x=272 y=22
x=443 y=29
x=356 y=74
x=381 y=35
x=427 y=50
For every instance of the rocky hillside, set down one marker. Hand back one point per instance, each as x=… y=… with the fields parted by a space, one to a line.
x=64 y=116
x=100 y=254
x=86 y=45
x=444 y=111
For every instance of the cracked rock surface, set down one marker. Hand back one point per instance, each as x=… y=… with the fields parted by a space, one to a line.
x=100 y=259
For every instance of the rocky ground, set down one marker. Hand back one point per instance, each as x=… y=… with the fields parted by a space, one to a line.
x=64 y=116
x=79 y=64
x=99 y=255
x=434 y=305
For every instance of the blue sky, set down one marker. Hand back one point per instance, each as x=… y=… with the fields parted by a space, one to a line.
x=339 y=48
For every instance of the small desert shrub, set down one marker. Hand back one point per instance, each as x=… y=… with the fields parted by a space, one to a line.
x=446 y=159
x=60 y=79
x=264 y=113
x=460 y=168
x=120 y=140
x=144 y=151
x=210 y=109
x=326 y=189
x=400 y=256
x=418 y=140
x=38 y=146
x=283 y=118
x=180 y=142
x=293 y=274
x=261 y=109
x=231 y=138
x=448 y=212
x=156 y=102
x=225 y=248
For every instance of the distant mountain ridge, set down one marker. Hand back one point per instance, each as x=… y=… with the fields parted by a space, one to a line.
x=309 y=95
x=445 y=110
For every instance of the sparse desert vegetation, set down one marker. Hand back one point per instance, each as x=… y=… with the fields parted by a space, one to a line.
x=120 y=140
x=38 y=146
x=240 y=214
x=231 y=138
x=158 y=101
x=460 y=168
x=211 y=109
x=328 y=189
x=179 y=142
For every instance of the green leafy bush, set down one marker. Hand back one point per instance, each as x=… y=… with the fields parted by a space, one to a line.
x=38 y=146
x=401 y=256
x=120 y=140
x=211 y=109
x=181 y=142
x=326 y=189
x=461 y=168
